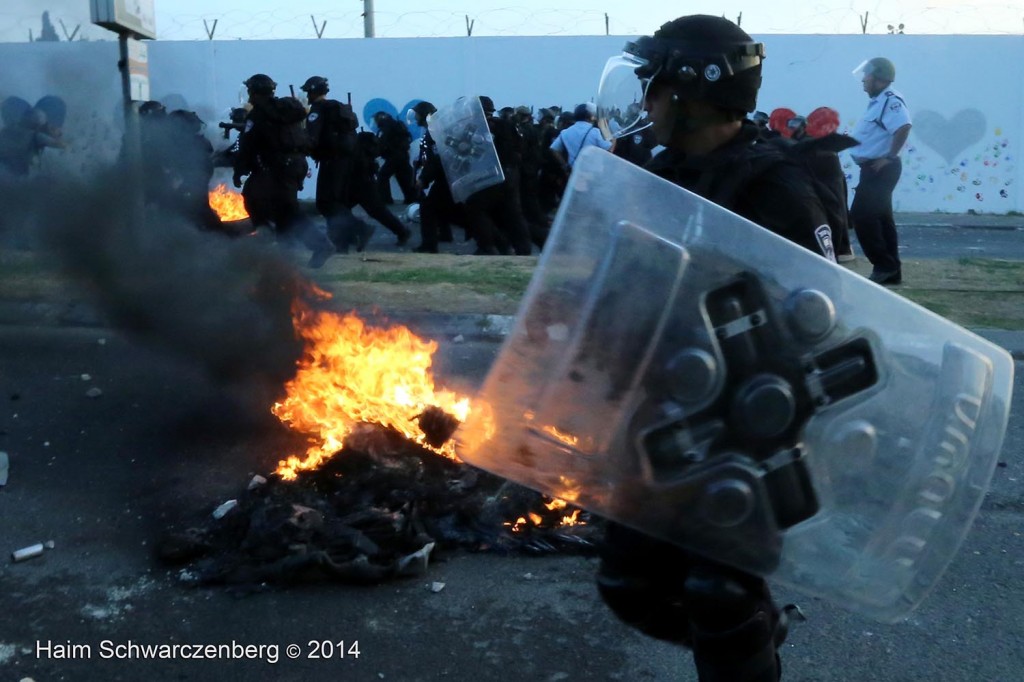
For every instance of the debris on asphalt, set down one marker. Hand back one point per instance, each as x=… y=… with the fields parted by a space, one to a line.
x=459 y=339
x=256 y=482
x=93 y=392
x=32 y=551
x=382 y=508
x=436 y=587
x=5 y=464
x=223 y=509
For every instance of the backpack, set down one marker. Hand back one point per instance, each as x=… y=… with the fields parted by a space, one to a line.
x=289 y=116
x=332 y=132
x=819 y=157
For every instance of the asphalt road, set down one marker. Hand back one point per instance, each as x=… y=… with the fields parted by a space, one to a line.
x=103 y=476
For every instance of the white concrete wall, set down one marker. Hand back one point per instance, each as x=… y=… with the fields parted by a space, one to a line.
x=965 y=92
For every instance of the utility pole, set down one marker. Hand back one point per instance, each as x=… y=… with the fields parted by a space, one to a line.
x=368 y=31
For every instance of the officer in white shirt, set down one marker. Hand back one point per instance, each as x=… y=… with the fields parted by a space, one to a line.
x=582 y=133
x=882 y=131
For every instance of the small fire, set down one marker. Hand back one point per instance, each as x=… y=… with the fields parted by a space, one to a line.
x=536 y=520
x=227 y=204
x=353 y=373
x=566 y=438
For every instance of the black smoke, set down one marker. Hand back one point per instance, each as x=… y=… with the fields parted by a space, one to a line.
x=223 y=304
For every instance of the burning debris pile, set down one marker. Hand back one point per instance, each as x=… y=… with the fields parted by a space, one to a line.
x=380 y=509
x=380 y=492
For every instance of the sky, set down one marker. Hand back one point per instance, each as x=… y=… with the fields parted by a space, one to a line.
x=274 y=19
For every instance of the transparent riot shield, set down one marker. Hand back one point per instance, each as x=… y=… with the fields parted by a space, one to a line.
x=466 y=147
x=688 y=373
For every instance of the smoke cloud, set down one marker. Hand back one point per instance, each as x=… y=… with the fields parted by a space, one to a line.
x=221 y=303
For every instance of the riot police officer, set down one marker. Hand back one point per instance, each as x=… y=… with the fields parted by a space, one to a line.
x=331 y=128
x=495 y=212
x=701 y=76
x=188 y=165
x=529 y=175
x=272 y=153
x=438 y=209
x=395 y=140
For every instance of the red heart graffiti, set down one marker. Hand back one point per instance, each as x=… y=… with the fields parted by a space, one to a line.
x=820 y=122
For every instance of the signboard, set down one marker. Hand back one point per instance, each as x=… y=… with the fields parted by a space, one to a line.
x=138 y=69
x=135 y=17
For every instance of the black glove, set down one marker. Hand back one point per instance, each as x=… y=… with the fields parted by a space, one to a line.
x=725 y=615
x=236 y=179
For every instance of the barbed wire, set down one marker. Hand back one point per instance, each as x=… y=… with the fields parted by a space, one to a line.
x=984 y=17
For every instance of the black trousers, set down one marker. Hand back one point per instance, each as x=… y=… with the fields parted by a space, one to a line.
x=366 y=193
x=399 y=167
x=272 y=201
x=333 y=180
x=496 y=217
x=438 y=211
x=529 y=192
x=872 y=218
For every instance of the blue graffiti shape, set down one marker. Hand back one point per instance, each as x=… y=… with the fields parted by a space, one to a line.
x=372 y=107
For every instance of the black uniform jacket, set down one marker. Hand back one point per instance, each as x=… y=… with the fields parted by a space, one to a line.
x=781 y=199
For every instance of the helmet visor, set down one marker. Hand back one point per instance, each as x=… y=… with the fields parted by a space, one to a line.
x=620 y=97
x=863 y=69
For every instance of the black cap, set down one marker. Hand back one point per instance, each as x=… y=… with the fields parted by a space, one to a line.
x=487 y=103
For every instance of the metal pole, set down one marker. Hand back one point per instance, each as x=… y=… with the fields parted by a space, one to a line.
x=368 y=31
x=132 y=142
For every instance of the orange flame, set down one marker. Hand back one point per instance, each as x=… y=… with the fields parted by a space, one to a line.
x=353 y=373
x=566 y=438
x=227 y=204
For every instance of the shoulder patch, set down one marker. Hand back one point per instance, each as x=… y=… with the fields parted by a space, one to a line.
x=823 y=235
x=312 y=116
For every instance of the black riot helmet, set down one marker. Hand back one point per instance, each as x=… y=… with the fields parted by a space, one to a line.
x=424 y=109
x=187 y=121
x=315 y=85
x=260 y=84
x=703 y=57
x=152 y=109
x=14 y=110
x=700 y=57
x=420 y=111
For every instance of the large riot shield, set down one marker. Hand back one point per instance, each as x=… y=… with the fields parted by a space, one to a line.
x=688 y=373
x=466 y=147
